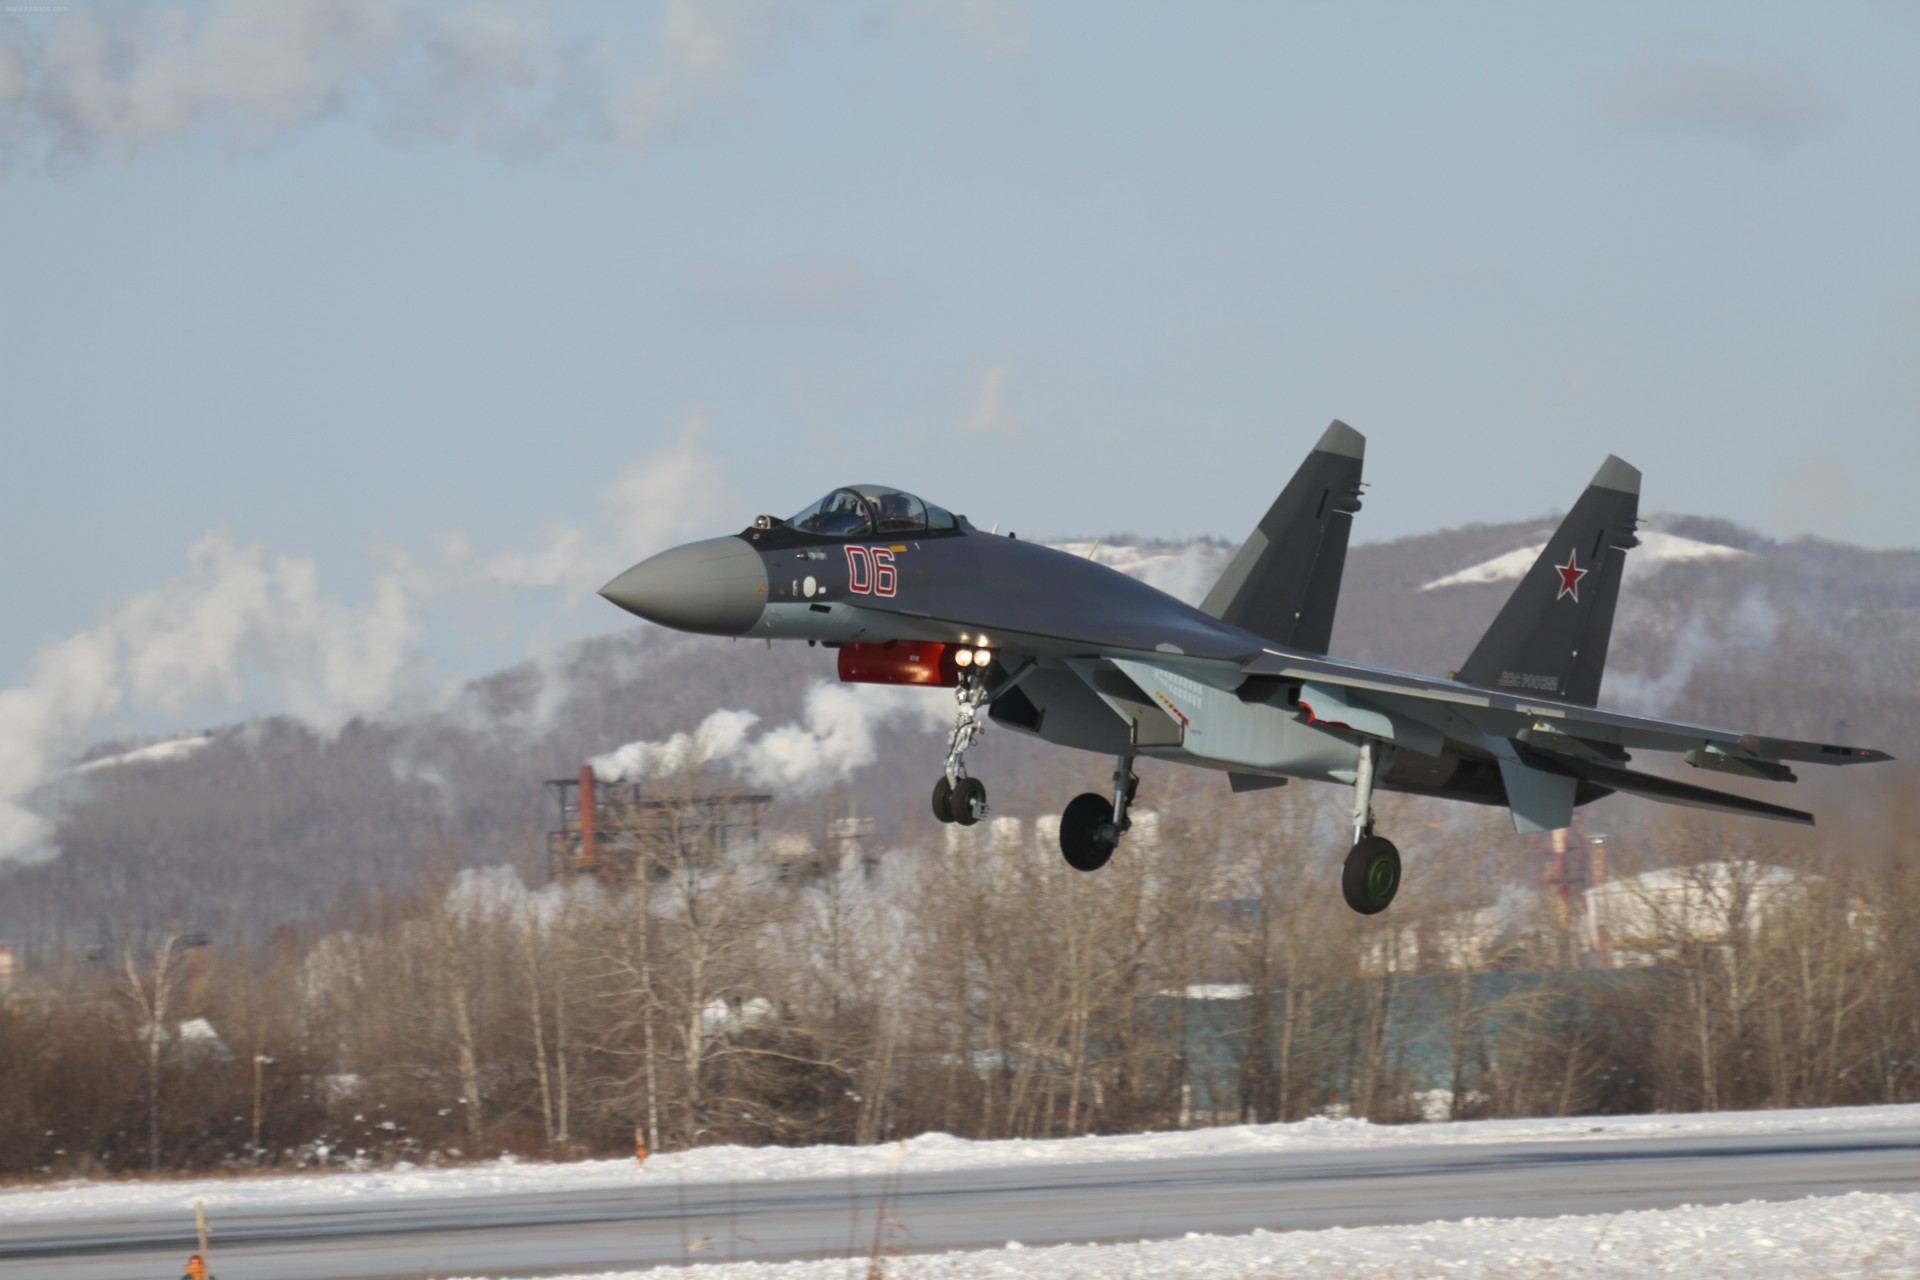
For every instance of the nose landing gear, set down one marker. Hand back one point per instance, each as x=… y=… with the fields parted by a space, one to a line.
x=1372 y=873
x=956 y=797
x=1092 y=825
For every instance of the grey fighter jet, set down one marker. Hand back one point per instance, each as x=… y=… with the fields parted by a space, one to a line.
x=1071 y=651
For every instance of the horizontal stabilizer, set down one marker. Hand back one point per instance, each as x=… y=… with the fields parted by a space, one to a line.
x=1652 y=787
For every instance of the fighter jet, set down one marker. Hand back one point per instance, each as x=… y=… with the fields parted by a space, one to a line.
x=1071 y=651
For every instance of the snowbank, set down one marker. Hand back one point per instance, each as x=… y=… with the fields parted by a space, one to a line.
x=925 y=1154
x=1828 y=1238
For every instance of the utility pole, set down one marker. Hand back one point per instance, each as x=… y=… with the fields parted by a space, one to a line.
x=260 y=1062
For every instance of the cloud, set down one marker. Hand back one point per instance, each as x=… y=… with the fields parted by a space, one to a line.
x=821 y=290
x=498 y=75
x=139 y=77
x=1682 y=83
x=490 y=75
x=659 y=500
x=703 y=51
x=991 y=415
x=992 y=29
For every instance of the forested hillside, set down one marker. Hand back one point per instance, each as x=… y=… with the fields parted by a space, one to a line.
x=269 y=824
x=261 y=947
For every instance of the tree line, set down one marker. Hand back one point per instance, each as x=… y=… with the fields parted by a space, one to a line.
x=976 y=986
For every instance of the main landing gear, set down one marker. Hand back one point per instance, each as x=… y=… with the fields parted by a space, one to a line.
x=956 y=797
x=1092 y=825
x=1372 y=874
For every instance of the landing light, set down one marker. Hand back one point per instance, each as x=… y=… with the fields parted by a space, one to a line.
x=963 y=658
x=982 y=657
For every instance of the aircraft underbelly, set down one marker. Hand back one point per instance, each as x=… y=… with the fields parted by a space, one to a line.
x=1269 y=740
x=1053 y=703
x=1095 y=705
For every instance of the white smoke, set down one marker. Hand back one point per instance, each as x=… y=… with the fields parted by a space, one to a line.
x=718 y=736
x=1753 y=623
x=498 y=75
x=834 y=737
x=240 y=624
x=232 y=613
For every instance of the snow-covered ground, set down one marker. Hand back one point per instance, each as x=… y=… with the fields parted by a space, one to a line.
x=1833 y=1238
x=925 y=1154
x=1655 y=549
x=157 y=753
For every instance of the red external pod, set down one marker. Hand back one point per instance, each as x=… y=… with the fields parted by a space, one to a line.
x=899 y=662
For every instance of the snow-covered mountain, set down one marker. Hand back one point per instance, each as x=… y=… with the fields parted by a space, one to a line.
x=254 y=824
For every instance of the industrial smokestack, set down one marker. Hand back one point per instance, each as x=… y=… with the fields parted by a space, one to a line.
x=589 y=829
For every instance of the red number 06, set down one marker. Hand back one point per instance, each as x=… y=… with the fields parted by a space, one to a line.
x=870 y=571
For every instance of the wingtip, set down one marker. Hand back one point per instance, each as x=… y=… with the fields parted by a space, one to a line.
x=1342 y=439
x=1618 y=475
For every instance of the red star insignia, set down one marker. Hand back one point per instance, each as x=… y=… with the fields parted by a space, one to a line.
x=1570 y=575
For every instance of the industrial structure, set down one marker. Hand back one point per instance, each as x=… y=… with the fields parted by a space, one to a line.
x=614 y=831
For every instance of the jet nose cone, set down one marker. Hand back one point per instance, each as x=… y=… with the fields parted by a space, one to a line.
x=717 y=587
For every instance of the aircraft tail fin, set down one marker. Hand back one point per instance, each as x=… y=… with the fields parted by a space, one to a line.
x=1550 y=640
x=1285 y=581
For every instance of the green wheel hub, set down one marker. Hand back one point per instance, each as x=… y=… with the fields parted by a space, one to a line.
x=1371 y=876
x=1383 y=877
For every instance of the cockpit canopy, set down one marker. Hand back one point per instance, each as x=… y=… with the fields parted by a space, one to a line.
x=864 y=510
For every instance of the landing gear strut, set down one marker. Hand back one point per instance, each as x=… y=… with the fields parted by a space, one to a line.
x=956 y=797
x=1092 y=825
x=1372 y=873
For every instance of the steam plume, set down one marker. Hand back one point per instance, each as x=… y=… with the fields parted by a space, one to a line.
x=233 y=612
x=833 y=738
x=1753 y=623
x=238 y=620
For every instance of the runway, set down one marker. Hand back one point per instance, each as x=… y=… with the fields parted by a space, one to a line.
x=528 y=1233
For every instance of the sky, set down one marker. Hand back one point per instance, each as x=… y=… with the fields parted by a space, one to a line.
x=346 y=347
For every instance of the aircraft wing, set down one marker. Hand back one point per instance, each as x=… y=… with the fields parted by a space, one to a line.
x=1534 y=741
x=1542 y=723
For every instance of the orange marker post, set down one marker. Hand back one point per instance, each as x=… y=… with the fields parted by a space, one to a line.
x=639 y=1145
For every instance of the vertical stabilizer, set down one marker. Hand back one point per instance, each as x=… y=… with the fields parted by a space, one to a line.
x=1285 y=582
x=1551 y=639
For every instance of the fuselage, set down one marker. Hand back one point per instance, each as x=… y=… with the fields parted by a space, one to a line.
x=1065 y=632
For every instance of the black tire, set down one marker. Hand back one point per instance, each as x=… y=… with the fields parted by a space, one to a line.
x=969 y=801
x=1086 y=832
x=943 y=799
x=1371 y=876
